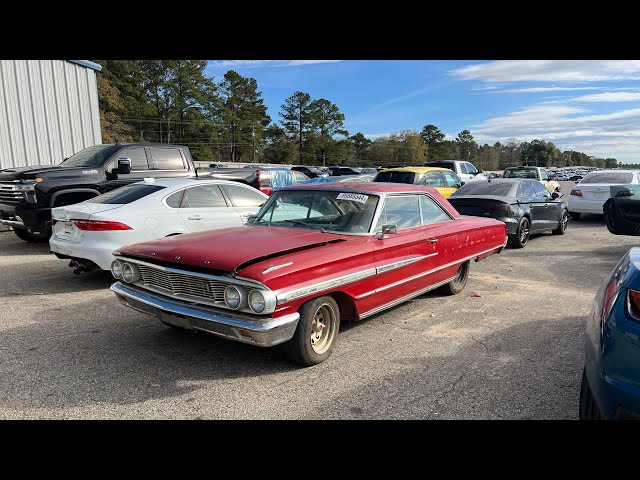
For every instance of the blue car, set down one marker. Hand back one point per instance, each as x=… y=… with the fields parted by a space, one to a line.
x=611 y=379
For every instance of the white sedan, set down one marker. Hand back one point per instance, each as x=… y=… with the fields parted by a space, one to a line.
x=87 y=233
x=590 y=194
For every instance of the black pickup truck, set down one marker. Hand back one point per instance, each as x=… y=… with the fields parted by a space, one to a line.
x=27 y=194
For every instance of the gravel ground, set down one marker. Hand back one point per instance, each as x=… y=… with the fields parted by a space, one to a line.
x=68 y=349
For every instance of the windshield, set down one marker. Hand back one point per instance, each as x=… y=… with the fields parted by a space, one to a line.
x=90 y=156
x=494 y=187
x=328 y=211
x=395 y=177
x=609 y=177
x=126 y=194
x=521 y=173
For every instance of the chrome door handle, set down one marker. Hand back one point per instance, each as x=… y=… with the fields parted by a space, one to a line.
x=195 y=217
x=432 y=240
x=247 y=215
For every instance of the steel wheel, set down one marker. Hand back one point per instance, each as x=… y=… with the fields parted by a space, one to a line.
x=323 y=328
x=523 y=234
x=316 y=333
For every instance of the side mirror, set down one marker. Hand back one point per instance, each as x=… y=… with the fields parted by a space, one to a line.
x=625 y=193
x=555 y=195
x=458 y=185
x=557 y=188
x=124 y=166
x=388 y=229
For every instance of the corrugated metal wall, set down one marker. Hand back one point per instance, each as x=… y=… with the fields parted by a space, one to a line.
x=48 y=111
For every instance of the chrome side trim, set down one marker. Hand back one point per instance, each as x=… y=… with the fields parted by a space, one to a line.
x=276 y=267
x=326 y=285
x=402 y=263
x=244 y=282
x=423 y=274
x=405 y=298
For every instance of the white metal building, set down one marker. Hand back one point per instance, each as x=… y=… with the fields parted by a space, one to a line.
x=48 y=110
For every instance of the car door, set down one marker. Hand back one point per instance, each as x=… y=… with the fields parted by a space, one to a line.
x=464 y=175
x=139 y=166
x=550 y=218
x=204 y=207
x=245 y=200
x=537 y=207
x=401 y=259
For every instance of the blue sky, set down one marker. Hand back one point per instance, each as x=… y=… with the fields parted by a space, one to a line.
x=585 y=105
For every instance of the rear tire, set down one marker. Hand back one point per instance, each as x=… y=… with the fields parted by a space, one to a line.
x=29 y=236
x=523 y=232
x=562 y=227
x=588 y=409
x=456 y=285
x=575 y=216
x=316 y=333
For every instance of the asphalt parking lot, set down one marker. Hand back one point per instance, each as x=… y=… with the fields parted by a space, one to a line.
x=68 y=349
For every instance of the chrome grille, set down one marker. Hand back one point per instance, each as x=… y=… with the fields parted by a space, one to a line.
x=178 y=283
x=8 y=195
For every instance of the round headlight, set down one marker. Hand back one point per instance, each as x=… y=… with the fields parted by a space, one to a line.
x=130 y=273
x=235 y=297
x=256 y=301
x=116 y=269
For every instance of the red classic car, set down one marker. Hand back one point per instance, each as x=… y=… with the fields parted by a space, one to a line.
x=313 y=255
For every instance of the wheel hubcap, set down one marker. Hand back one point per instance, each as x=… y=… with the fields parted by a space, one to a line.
x=323 y=328
x=565 y=219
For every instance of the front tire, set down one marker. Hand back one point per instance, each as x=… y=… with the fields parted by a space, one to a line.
x=588 y=409
x=521 y=237
x=316 y=333
x=456 y=285
x=575 y=216
x=562 y=227
x=31 y=237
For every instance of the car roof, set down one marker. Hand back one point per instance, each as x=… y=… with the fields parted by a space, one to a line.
x=415 y=169
x=366 y=187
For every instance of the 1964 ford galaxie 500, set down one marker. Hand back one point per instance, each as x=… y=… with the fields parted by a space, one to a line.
x=312 y=256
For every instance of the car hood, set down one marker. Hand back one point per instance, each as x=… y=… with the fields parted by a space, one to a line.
x=46 y=171
x=231 y=249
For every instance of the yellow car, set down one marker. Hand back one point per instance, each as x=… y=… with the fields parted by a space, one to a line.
x=443 y=180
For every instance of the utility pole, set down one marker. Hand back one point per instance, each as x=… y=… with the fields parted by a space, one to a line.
x=253 y=134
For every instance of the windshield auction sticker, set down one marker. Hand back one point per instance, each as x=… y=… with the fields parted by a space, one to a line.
x=356 y=197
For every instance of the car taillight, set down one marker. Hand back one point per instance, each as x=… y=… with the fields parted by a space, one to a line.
x=100 y=225
x=259 y=181
x=577 y=193
x=633 y=303
x=610 y=296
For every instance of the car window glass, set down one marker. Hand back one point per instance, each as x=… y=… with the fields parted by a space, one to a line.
x=138 y=157
x=300 y=177
x=244 y=196
x=471 y=168
x=403 y=211
x=463 y=168
x=451 y=180
x=434 y=179
x=543 y=174
x=175 y=199
x=126 y=194
x=526 y=190
x=540 y=190
x=203 y=196
x=166 y=159
x=431 y=211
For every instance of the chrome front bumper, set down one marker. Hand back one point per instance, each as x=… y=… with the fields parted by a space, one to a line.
x=253 y=329
x=12 y=223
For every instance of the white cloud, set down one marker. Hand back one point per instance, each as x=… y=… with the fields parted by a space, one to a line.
x=545 y=89
x=609 y=97
x=615 y=134
x=265 y=63
x=550 y=71
x=373 y=136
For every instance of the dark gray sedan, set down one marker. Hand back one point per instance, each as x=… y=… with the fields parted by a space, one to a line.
x=525 y=206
